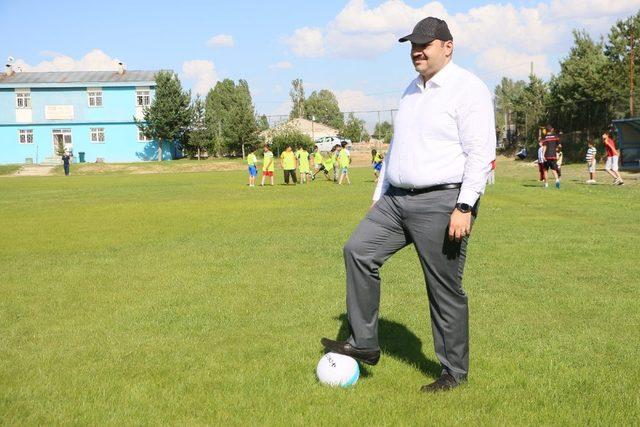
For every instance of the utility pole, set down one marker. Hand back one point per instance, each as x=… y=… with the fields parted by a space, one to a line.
x=531 y=69
x=632 y=37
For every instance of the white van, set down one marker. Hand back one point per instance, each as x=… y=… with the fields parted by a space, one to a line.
x=326 y=143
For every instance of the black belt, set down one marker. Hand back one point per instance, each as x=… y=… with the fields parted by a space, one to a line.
x=438 y=187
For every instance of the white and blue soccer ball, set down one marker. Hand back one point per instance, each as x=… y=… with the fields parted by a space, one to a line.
x=337 y=370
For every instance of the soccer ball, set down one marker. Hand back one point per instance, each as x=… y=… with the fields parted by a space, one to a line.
x=337 y=370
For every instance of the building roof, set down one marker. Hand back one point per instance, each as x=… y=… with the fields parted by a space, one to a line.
x=77 y=78
x=314 y=130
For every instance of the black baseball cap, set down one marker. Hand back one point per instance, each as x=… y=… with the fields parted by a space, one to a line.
x=427 y=30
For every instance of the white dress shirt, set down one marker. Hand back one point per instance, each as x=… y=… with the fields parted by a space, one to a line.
x=444 y=132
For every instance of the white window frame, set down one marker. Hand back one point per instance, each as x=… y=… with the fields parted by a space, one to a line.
x=142 y=138
x=94 y=94
x=96 y=136
x=23 y=95
x=25 y=136
x=143 y=97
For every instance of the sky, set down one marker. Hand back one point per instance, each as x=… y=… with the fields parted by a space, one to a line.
x=349 y=47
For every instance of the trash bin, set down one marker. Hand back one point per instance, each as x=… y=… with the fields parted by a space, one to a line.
x=81 y=155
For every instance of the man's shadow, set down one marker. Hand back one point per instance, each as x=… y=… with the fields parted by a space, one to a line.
x=396 y=341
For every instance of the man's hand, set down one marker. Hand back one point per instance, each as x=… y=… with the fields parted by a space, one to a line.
x=459 y=225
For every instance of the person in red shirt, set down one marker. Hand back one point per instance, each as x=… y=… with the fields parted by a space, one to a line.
x=612 y=158
x=491 y=178
x=551 y=143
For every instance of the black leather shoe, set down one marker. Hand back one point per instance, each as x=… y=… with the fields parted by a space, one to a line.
x=444 y=383
x=370 y=357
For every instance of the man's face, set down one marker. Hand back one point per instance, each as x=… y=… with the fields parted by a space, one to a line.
x=430 y=58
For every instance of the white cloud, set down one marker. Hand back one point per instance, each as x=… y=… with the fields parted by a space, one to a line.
x=282 y=65
x=283 y=109
x=221 y=40
x=306 y=42
x=95 y=60
x=361 y=31
x=486 y=32
x=202 y=72
x=357 y=100
x=501 y=61
x=592 y=8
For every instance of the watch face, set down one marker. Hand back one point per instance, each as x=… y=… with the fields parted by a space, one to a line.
x=463 y=207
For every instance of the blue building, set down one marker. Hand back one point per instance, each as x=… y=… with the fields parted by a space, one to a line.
x=90 y=112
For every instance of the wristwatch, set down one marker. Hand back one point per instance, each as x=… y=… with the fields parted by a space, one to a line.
x=463 y=207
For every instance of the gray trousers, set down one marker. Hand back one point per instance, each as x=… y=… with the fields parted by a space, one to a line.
x=398 y=219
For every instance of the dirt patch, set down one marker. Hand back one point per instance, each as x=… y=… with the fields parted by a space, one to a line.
x=149 y=168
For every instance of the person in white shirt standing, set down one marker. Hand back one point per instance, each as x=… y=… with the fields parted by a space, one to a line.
x=427 y=195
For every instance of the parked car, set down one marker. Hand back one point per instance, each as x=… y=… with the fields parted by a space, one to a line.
x=326 y=143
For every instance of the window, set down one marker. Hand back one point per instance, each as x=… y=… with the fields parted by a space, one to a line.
x=25 y=136
x=143 y=98
x=95 y=97
x=142 y=138
x=23 y=99
x=96 y=135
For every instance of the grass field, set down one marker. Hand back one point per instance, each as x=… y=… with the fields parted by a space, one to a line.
x=8 y=169
x=189 y=298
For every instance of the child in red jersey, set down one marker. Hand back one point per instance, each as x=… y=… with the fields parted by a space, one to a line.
x=612 y=158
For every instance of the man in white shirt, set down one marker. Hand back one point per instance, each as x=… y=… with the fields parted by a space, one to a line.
x=427 y=195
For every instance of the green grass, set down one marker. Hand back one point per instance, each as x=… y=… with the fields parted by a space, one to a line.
x=175 y=166
x=189 y=298
x=9 y=169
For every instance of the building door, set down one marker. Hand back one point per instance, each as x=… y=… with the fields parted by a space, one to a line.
x=62 y=136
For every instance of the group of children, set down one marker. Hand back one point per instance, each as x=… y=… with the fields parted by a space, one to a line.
x=550 y=158
x=335 y=165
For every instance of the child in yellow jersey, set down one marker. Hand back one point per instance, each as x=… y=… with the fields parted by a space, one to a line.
x=326 y=166
x=268 y=165
x=334 y=159
x=317 y=162
x=251 y=162
x=376 y=162
x=303 y=164
x=289 y=163
x=343 y=161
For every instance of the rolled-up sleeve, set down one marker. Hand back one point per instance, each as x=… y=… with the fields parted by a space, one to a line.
x=476 y=129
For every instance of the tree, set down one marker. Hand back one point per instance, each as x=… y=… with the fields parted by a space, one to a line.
x=618 y=49
x=243 y=128
x=579 y=94
x=354 y=129
x=263 y=123
x=198 y=137
x=323 y=107
x=230 y=117
x=292 y=137
x=169 y=114
x=297 y=98
x=384 y=131
x=218 y=103
x=508 y=94
x=532 y=105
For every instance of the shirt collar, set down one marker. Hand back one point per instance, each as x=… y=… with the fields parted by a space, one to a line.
x=440 y=78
